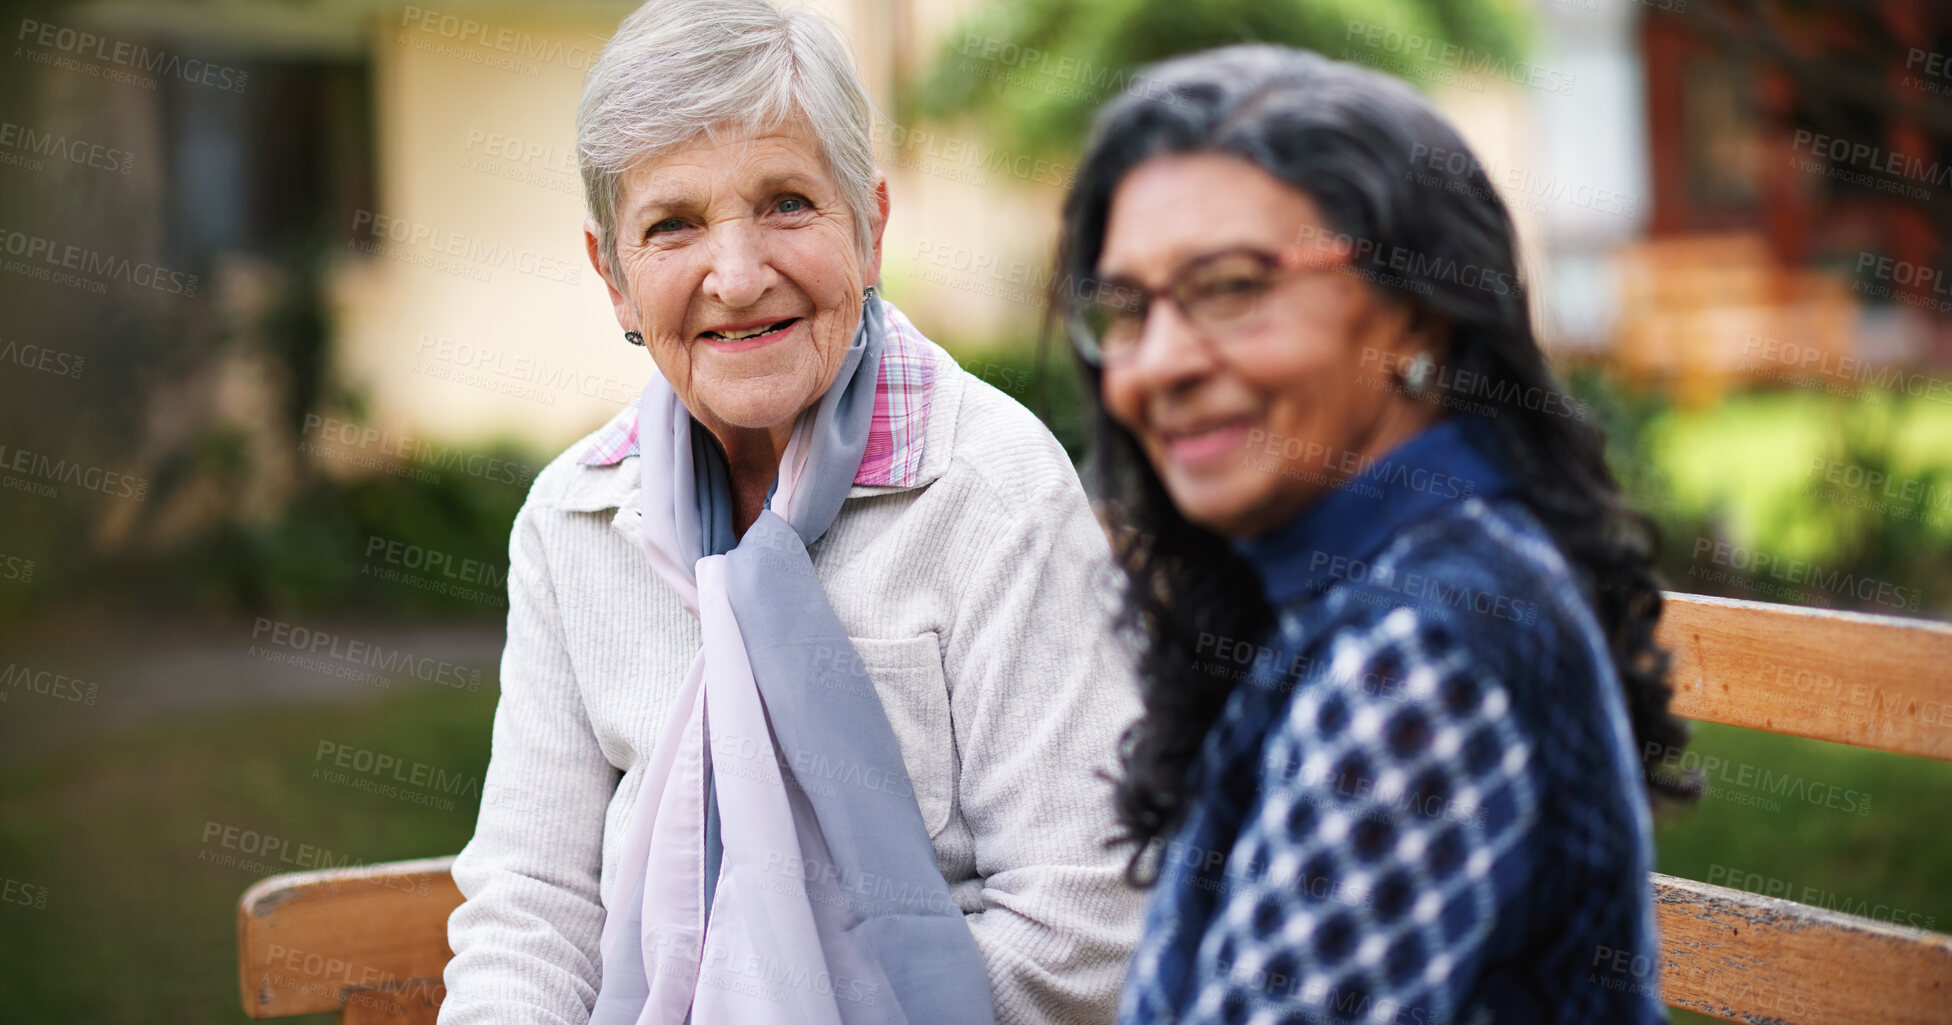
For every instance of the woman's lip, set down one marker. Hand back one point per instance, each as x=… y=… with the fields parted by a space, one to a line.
x=756 y=341
x=1216 y=440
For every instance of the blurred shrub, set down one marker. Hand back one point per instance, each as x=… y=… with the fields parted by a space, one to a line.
x=1834 y=501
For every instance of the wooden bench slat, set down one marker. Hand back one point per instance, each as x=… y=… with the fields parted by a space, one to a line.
x=1749 y=958
x=1872 y=681
x=370 y=941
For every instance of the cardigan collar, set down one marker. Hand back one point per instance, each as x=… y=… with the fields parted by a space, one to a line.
x=1452 y=460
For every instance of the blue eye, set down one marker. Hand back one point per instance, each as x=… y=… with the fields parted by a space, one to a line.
x=788 y=205
x=668 y=224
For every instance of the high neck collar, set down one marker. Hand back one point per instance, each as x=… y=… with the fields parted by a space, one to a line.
x=1448 y=462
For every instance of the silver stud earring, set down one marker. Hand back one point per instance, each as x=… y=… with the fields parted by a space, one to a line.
x=1416 y=376
x=633 y=338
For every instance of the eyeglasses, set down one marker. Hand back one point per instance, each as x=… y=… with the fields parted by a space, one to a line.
x=1216 y=293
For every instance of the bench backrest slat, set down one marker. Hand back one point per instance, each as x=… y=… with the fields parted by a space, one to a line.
x=1872 y=681
x=369 y=941
x=1745 y=957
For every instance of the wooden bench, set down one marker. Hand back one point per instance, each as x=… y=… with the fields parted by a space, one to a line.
x=371 y=942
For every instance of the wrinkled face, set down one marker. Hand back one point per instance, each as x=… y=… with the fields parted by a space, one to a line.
x=737 y=260
x=1249 y=425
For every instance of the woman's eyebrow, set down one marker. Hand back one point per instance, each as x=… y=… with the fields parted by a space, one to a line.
x=661 y=204
x=780 y=180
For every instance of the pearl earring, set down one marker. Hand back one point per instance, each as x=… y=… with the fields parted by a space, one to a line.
x=1416 y=376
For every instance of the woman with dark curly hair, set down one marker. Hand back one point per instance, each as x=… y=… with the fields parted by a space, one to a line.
x=1399 y=661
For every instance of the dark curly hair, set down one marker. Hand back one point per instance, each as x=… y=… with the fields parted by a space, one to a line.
x=1389 y=173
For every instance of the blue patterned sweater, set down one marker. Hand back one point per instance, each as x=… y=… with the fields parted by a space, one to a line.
x=1421 y=803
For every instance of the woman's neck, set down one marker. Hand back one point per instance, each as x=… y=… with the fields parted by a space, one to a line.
x=752 y=456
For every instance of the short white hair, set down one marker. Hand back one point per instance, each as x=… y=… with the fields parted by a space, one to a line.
x=678 y=69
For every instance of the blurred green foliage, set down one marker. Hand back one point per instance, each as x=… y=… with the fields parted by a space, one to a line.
x=1822 y=485
x=1034 y=71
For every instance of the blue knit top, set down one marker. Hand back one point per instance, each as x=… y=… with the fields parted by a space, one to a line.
x=1421 y=803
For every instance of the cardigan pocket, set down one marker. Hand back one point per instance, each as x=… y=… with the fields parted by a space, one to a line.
x=907 y=676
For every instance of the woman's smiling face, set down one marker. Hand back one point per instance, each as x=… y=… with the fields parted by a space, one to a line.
x=1248 y=429
x=739 y=264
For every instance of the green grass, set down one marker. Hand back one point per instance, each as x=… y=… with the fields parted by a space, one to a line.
x=140 y=923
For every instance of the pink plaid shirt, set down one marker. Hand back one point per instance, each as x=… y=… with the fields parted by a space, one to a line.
x=901 y=413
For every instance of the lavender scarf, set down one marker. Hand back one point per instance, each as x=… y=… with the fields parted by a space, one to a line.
x=749 y=898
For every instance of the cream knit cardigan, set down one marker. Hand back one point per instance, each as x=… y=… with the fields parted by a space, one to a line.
x=979 y=602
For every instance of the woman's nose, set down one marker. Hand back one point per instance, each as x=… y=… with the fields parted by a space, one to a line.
x=739 y=275
x=1171 y=348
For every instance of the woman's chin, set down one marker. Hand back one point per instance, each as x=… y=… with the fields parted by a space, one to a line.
x=757 y=404
x=1229 y=507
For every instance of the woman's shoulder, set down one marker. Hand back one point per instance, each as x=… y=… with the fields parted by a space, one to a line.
x=985 y=440
x=595 y=472
x=1484 y=577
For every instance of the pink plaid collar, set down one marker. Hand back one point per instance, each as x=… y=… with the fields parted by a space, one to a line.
x=895 y=438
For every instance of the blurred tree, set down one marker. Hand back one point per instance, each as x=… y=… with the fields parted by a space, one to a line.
x=1034 y=71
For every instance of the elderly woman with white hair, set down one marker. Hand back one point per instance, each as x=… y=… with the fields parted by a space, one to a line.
x=809 y=690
